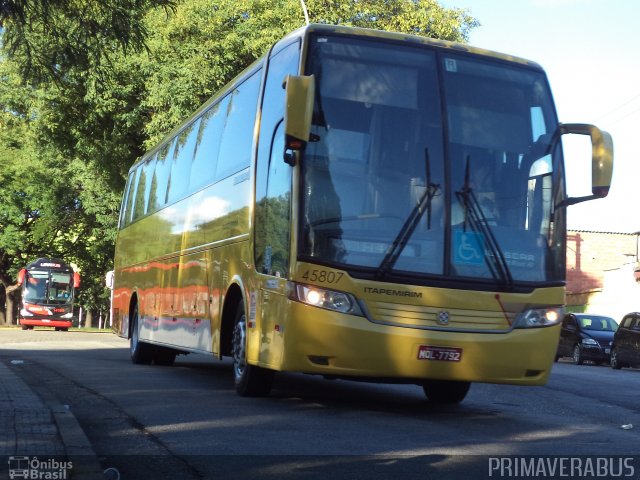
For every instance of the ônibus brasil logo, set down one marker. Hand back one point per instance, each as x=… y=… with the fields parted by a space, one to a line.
x=33 y=468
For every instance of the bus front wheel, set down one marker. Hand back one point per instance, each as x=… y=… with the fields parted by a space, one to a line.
x=250 y=380
x=445 y=391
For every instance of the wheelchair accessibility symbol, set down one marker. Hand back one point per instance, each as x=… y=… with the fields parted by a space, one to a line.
x=467 y=248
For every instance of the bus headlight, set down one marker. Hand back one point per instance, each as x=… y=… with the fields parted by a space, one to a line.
x=323 y=298
x=25 y=313
x=539 y=317
x=67 y=315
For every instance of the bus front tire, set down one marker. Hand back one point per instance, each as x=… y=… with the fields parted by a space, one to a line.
x=250 y=380
x=445 y=391
x=141 y=353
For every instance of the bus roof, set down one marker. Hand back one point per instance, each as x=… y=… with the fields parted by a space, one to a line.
x=405 y=37
x=46 y=262
x=303 y=32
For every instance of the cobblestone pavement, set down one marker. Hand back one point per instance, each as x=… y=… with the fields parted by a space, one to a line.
x=39 y=434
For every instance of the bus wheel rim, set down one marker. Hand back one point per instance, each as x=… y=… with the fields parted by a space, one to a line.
x=134 y=338
x=239 y=342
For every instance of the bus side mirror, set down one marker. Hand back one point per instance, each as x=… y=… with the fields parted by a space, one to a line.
x=601 y=160
x=76 y=279
x=21 y=274
x=299 y=97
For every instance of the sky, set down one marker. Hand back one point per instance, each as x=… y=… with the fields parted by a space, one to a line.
x=590 y=50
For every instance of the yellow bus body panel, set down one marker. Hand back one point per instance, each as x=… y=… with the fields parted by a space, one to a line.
x=354 y=346
x=402 y=318
x=179 y=263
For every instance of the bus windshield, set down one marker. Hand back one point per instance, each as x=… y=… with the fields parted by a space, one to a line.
x=425 y=163
x=48 y=287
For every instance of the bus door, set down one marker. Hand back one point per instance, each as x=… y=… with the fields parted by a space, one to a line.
x=273 y=209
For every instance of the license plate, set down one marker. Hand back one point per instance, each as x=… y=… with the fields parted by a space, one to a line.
x=46 y=320
x=442 y=354
x=607 y=351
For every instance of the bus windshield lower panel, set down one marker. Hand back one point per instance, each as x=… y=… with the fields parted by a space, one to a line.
x=408 y=174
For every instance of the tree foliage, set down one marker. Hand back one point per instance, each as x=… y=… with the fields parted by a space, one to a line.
x=87 y=85
x=53 y=36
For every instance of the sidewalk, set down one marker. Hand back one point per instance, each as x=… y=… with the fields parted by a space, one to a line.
x=41 y=434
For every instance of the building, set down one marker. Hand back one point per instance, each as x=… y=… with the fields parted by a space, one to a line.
x=601 y=272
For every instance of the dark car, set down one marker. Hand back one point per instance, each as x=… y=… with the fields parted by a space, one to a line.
x=626 y=343
x=586 y=337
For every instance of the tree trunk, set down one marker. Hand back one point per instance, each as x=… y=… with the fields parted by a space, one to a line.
x=10 y=313
x=88 y=323
x=7 y=303
x=13 y=301
x=3 y=305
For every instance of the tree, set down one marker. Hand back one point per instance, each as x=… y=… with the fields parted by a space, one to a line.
x=69 y=130
x=200 y=45
x=51 y=36
x=17 y=212
x=87 y=85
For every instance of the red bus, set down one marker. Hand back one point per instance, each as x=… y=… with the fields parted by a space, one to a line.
x=47 y=291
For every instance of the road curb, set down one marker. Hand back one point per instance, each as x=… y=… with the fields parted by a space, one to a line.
x=76 y=445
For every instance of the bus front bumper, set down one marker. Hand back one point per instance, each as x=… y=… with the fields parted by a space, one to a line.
x=322 y=342
x=45 y=322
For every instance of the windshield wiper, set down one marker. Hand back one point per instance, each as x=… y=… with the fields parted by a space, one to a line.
x=477 y=220
x=402 y=238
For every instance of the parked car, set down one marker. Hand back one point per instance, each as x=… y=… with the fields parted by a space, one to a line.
x=625 y=351
x=586 y=337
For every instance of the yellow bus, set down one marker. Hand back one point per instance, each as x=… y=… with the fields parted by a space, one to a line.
x=357 y=204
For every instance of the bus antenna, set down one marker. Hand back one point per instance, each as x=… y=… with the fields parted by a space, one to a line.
x=306 y=13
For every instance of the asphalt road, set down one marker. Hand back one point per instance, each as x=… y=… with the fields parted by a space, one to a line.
x=186 y=422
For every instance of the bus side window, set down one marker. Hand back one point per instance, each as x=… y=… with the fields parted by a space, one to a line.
x=160 y=182
x=142 y=191
x=237 y=138
x=135 y=183
x=126 y=201
x=181 y=162
x=208 y=145
x=149 y=170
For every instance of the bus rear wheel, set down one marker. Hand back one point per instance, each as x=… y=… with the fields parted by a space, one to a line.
x=141 y=353
x=250 y=380
x=445 y=391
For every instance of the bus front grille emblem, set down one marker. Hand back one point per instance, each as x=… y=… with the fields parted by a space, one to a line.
x=443 y=318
